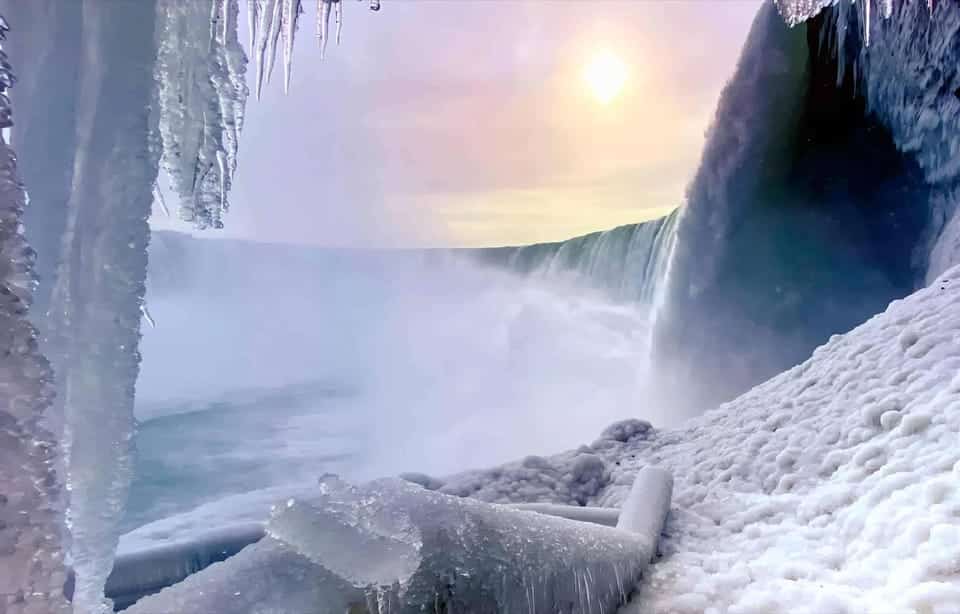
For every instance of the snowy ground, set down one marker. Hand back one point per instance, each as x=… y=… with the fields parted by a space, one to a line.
x=832 y=488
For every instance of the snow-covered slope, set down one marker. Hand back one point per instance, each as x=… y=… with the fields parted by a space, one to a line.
x=833 y=487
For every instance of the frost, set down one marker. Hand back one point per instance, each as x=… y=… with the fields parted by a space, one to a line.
x=31 y=560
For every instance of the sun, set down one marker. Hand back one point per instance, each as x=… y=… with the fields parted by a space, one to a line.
x=605 y=75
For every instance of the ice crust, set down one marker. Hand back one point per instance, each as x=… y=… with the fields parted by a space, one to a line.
x=392 y=545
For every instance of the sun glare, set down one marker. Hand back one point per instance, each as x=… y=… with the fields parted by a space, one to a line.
x=606 y=75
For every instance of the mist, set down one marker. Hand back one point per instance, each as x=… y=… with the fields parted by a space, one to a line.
x=272 y=364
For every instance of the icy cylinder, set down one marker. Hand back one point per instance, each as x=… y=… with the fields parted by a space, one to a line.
x=394 y=545
x=644 y=511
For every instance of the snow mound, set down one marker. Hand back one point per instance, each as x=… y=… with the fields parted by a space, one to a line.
x=831 y=488
x=572 y=478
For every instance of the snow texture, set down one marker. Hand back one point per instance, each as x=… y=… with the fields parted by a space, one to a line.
x=571 y=478
x=394 y=545
x=31 y=561
x=201 y=94
x=830 y=488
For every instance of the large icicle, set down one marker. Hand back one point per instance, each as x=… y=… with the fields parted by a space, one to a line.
x=291 y=14
x=31 y=560
x=93 y=324
x=323 y=24
x=202 y=94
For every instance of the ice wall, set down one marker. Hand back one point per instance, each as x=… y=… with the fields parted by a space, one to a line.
x=31 y=560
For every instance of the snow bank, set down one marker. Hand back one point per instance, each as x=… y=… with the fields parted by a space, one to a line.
x=831 y=488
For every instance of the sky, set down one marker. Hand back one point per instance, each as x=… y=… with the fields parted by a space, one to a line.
x=473 y=122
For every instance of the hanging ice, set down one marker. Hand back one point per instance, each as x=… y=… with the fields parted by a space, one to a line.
x=201 y=99
x=323 y=25
x=291 y=15
x=394 y=546
x=31 y=560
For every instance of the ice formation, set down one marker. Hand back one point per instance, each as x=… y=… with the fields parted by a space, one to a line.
x=31 y=560
x=393 y=546
x=271 y=21
x=200 y=74
x=92 y=327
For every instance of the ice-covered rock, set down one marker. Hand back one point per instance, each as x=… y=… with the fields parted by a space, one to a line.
x=31 y=560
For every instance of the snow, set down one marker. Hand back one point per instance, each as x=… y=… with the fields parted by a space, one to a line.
x=31 y=561
x=393 y=544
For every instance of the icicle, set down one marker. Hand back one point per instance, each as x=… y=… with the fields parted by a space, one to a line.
x=146 y=315
x=866 y=25
x=291 y=14
x=338 y=10
x=887 y=8
x=323 y=24
x=267 y=29
x=276 y=25
x=160 y=200
x=222 y=163
x=252 y=23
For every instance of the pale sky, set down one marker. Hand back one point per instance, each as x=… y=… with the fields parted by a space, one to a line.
x=471 y=122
